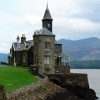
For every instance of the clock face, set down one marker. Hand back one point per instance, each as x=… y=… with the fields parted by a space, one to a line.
x=49 y=25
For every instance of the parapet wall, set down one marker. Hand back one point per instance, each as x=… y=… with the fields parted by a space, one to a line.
x=77 y=79
x=62 y=69
x=72 y=79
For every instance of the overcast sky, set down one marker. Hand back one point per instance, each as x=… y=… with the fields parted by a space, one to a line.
x=73 y=19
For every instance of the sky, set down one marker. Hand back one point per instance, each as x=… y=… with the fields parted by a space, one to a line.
x=72 y=19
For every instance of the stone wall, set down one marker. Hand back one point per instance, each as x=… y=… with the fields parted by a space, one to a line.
x=77 y=79
x=73 y=79
x=44 y=90
x=62 y=69
x=2 y=93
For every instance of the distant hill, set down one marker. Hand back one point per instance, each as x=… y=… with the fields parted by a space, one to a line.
x=84 y=49
x=88 y=64
x=3 y=57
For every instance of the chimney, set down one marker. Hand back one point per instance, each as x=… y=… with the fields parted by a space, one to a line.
x=18 y=39
x=23 y=38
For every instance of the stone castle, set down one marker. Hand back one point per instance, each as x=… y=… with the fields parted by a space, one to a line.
x=44 y=53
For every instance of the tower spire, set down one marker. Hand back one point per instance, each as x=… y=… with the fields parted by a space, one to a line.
x=47 y=14
x=47 y=19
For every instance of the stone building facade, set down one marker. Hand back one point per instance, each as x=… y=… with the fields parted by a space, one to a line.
x=43 y=52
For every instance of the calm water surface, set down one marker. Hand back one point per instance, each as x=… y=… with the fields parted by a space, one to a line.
x=93 y=76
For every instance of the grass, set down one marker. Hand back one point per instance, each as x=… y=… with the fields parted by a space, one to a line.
x=15 y=77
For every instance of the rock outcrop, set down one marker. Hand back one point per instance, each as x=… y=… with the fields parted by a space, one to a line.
x=76 y=84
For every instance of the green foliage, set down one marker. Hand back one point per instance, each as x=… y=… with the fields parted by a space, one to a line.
x=15 y=77
x=89 y=64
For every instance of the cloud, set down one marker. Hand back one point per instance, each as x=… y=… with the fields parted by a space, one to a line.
x=88 y=9
x=78 y=24
x=73 y=19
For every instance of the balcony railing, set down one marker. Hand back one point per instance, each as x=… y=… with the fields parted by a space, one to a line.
x=61 y=60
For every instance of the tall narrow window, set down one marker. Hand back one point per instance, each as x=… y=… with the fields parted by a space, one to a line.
x=47 y=45
x=24 y=59
x=46 y=60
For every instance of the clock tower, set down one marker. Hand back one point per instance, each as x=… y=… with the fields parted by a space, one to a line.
x=47 y=20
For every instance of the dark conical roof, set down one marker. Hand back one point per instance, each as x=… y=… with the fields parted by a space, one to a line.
x=47 y=14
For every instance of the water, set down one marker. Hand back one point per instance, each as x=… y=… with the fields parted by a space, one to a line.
x=93 y=77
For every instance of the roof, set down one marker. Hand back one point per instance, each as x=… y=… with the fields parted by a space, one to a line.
x=57 y=43
x=20 y=46
x=47 y=14
x=43 y=31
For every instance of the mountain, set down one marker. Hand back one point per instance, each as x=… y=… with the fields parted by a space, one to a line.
x=84 y=49
x=88 y=64
x=3 y=57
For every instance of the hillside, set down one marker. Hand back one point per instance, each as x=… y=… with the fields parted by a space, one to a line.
x=3 y=57
x=84 y=49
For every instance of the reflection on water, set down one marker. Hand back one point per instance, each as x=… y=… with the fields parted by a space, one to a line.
x=93 y=76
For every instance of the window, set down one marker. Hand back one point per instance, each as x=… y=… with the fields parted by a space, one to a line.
x=24 y=59
x=46 y=60
x=47 y=45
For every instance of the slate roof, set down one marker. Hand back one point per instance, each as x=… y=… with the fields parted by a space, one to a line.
x=28 y=44
x=47 y=14
x=43 y=31
x=20 y=47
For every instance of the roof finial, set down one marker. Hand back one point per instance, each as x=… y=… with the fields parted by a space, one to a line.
x=47 y=4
